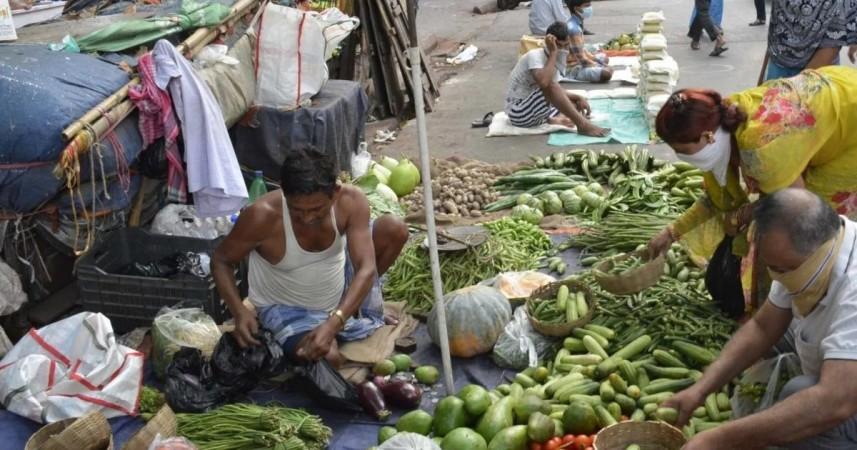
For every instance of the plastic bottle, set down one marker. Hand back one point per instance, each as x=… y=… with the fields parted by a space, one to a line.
x=257 y=187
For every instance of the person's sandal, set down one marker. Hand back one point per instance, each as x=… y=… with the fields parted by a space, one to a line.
x=757 y=23
x=694 y=45
x=484 y=122
x=718 y=51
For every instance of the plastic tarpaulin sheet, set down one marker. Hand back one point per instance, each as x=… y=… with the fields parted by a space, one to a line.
x=132 y=33
x=334 y=123
x=48 y=90
x=624 y=117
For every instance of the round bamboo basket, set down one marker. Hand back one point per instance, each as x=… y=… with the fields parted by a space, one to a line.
x=648 y=435
x=163 y=423
x=90 y=432
x=548 y=292
x=632 y=281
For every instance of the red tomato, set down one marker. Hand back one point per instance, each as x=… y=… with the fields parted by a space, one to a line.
x=583 y=441
x=553 y=444
x=567 y=438
x=535 y=446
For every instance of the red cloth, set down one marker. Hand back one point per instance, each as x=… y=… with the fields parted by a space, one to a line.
x=157 y=119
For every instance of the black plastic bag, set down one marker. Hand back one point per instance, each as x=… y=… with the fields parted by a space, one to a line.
x=243 y=368
x=327 y=387
x=152 y=162
x=723 y=279
x=176 y=264
x=190 y=386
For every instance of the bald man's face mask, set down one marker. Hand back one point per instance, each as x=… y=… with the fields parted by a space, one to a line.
x=808 y=284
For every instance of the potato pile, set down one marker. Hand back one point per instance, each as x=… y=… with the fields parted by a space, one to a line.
x=459 y=189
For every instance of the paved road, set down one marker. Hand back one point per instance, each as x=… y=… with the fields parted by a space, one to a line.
x=480 y=86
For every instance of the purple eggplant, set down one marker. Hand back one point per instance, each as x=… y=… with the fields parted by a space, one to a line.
x=402 y=394
x=372 y=400
x=380 y=381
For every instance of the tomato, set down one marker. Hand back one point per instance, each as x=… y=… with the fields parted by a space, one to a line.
x=553 y=444
x=583 y=441
x=536 y=446
x=567 y=438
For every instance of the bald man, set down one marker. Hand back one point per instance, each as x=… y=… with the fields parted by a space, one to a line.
x=812 y=256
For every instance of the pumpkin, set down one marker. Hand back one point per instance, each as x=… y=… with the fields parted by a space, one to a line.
x=475 y=318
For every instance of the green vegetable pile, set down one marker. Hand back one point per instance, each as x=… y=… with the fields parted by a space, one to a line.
x=513 y=245
x=247 y=426
x=572 y=184
x=567 y=307
x=630 y=263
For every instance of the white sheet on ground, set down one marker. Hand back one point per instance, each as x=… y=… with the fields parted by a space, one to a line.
x=501 y=126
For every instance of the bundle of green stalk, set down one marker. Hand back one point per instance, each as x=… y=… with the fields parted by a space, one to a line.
x=645 y=192
x=620 y=232
x=247 y=426
x=513 y=245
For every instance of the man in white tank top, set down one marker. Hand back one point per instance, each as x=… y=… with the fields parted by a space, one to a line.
x=314 y=261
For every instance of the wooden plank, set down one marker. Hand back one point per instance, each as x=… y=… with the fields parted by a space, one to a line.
x=398 y=28
x=380 y=96
x=388 y=65
x=399 y=12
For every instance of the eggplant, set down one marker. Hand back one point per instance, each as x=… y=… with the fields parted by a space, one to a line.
x=380 y=381
x=372 y=400
x=402 y=394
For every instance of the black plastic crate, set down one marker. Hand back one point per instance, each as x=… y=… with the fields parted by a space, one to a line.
x=133 y=301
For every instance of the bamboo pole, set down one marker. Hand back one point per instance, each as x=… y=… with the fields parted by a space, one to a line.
x=193 y=41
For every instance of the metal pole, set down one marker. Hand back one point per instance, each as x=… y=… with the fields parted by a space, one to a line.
x=414 y=58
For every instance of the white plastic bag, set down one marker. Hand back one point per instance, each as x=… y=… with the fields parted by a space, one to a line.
x=181 y=220
x=212 y=54
x=173 y=329
x=408 y=441
x=170 y=443
x=773 y=374
x=7 y=28
x=518 y=284
x=653 y=18
x=12 y=294
x=360 y=162
x=521 y=346
x=336 y=26
x=70 y=368
x=290 y=63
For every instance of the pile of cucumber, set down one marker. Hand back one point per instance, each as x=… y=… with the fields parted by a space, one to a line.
x=567 y=307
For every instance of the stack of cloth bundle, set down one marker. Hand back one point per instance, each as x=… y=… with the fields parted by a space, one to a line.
x=658 y=70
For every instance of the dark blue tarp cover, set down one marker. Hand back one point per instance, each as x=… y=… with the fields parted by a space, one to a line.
x=352 y=431
x=42 y=92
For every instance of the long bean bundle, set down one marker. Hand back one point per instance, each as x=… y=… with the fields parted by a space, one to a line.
x=619 y=232
x=247 y=426
x=513 y=245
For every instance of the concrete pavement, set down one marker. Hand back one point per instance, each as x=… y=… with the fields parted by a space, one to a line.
x=477 y=87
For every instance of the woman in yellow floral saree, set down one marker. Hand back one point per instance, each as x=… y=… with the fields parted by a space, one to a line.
x=799 y=131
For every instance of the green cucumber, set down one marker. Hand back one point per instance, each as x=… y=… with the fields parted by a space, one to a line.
x=667 y=359
x=607 y=392
x=667 y=372
x=573 y=345
x=594 y=348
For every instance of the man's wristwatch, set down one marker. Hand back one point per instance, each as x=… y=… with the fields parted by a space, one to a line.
x=339 y=314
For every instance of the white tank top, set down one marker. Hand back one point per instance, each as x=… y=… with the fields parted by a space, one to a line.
x=311 y=280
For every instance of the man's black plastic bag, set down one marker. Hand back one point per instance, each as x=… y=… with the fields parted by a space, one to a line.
x=244 y=367
x=723 y=279
x=188 y=263
x=190 y=386
x=327 y=386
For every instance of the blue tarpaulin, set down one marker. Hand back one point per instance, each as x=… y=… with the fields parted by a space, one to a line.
x=624 y=117
x=43 y=92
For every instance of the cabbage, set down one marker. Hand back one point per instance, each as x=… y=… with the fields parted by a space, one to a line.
x=379 y=171
x=580 y=189
x=527 y=214
x=572 y=205
x=389 y=163
x=552 y=203
x=567 y=195
x=404 y=178
x=524 y=199
x=596 y=188
x=536 y=203
x=591 y=199
x=386 y=192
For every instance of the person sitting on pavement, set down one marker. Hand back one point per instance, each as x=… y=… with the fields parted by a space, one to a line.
x=812 y=256
x=314 y=261
x=583 y=65
x=535 y=96
x=544 y=13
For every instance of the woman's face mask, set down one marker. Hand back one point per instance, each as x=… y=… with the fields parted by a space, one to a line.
x=714 y=156
x=586 y=12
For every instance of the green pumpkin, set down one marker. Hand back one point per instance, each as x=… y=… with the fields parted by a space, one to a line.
x=475 y=318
